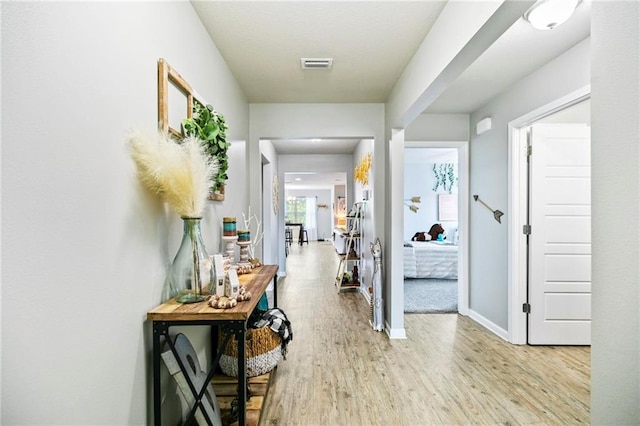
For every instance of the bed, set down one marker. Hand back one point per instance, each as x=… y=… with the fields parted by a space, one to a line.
x=431 y=259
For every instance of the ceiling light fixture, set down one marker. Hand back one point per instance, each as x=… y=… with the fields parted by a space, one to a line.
x=548 y=14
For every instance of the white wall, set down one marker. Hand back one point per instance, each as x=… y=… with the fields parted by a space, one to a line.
x=615 y=145
x=271 y=241
x=419 y=181
x=84 y=247
x=488 y=176
x=438 y=128
x=369 y=232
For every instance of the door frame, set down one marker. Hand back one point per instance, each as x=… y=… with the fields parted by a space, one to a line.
x=463 y=216
x=518 y=203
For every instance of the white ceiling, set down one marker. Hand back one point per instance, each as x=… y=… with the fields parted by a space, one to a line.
x=371 y=43
x=314 y=180
x=517 y=53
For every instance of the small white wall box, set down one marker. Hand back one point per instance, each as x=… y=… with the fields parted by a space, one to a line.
x=233 y=284
x=218 y=266
x=483 y=125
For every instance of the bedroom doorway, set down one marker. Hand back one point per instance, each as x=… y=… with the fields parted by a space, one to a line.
x=435 y=200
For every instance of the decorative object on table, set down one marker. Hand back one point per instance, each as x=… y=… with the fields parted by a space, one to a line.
x=210 y=126
x=189 y=275
x=377 y=301
x=218 y=273
x=229 y=226
x=229 y=248
x=444 y=174
x=244 y=241
x=232 y=284
x=361 y=171
x=180 y=175
x=411 y=203
x=226 y=302
x=497 y=214
x=208 y=412
x=266 y=342
x=254 y=226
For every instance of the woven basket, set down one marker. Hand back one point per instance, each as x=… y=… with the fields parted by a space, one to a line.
x=263 y=353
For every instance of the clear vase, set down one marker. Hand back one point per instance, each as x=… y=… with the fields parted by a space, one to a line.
x=190 y=272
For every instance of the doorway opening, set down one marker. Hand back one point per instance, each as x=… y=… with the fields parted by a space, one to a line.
x=436 y=198
x=430 y=236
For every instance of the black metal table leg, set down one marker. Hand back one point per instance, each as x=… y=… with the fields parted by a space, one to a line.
x=275 y=291
x=157 y=402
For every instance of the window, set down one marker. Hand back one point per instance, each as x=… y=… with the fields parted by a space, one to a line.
x=296 y=210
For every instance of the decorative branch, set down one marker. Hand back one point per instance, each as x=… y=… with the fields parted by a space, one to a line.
x=258 y=235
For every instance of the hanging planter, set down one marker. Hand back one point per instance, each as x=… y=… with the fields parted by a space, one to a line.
x=445 y=176
x=210 y=127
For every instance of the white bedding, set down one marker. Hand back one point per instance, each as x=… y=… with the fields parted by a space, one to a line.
x=431 y=259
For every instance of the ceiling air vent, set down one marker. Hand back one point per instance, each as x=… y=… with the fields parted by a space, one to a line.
x=316 y=63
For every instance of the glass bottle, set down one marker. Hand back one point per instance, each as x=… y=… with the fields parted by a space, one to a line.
x=190 y=272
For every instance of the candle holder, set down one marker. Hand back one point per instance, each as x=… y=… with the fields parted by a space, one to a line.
x=229 y=247
x=244 y=266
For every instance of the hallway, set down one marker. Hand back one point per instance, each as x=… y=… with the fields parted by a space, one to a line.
x=450 y=370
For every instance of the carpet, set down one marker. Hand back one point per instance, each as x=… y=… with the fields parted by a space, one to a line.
x=423 y=296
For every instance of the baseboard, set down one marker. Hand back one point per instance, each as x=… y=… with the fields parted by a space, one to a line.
x=394 y=333
x=365 y=294
x=489 y=325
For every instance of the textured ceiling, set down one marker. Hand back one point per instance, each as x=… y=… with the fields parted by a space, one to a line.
x=371 y=43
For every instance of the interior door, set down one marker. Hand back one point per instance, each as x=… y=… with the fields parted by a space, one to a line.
x=560 y=240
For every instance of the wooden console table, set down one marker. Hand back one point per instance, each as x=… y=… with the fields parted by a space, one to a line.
x=233 y=321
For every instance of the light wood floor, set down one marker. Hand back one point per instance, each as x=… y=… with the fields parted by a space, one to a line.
x=449 y=371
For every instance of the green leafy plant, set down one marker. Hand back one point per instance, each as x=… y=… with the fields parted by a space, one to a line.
x=444 y=175
x=209 y=126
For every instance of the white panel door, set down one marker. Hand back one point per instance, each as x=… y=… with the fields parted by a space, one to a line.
x=560 y=240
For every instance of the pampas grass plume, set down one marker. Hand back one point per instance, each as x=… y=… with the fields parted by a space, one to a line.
x=179 y=173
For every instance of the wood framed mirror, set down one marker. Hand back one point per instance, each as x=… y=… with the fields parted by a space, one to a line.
x=175 y=98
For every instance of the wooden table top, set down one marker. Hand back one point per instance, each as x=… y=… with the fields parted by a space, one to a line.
x=256 y=282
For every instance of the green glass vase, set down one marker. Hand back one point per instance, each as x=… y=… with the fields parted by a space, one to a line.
x=190 y=272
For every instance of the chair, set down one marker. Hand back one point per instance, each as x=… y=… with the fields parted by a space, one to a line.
x=303 y=238
x=288 y=236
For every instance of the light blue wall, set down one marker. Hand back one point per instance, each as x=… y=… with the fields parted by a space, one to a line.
x=488 y=174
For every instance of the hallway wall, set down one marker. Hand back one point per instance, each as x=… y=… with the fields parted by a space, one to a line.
x=488 y=175
x=615 y=142
x=84 y=246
